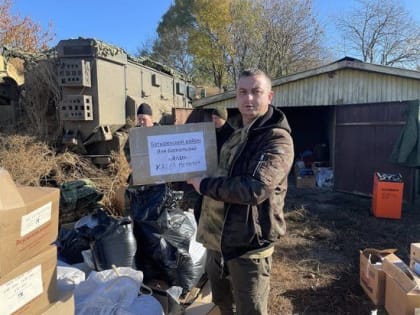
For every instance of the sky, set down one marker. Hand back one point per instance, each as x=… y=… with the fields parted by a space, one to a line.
x=129 y=24
x=123 y=23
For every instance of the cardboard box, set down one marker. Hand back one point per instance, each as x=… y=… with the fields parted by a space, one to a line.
x=203 y=304
x=119 y=200
x=402 y=293
x=172 y=153
x=64 y=306
x=372 y=277
x=31 y=286
x=28 y=220
x=301 y=171
x=306 y=181
x=305 y=177
x=415 y=257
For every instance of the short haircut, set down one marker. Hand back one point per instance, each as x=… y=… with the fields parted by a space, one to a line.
x=254 y=72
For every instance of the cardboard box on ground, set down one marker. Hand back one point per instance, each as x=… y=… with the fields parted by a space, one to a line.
x=31 y=287
x=305 y=177
x=203 y=304
x=28 y=220
x=372 y=277
x=402 y=294
x=172 y=153
x=28 y=261
x=64 y=306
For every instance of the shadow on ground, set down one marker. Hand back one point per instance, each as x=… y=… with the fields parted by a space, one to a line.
x=316 y=265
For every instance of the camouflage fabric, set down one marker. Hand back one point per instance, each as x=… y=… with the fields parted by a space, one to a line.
x=76 y=196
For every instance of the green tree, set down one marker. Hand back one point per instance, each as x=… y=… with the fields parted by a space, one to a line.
x=171 y=45
x=217 y=39
x=209 y=42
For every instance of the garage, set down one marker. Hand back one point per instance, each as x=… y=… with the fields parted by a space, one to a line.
x=351 y=113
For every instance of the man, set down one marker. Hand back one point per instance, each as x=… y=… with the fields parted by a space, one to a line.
x=144 y=115
x=144 y=119
x=223 y=128
x=242 y=210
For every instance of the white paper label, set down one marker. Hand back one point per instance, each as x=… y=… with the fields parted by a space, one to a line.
x=35 y=219
x=19 y=291
x=177 y=153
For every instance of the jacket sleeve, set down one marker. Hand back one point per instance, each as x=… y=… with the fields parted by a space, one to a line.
x=258 y=176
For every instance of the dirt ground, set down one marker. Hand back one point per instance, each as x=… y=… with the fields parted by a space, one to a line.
x=316 y=265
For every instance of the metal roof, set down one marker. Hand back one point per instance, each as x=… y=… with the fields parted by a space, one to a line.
x=341 y=64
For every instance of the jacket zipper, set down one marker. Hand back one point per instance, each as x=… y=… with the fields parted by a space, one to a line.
x=260 y=161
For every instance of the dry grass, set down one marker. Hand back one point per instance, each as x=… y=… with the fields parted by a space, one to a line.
x=38 y=101
x=32 y=162
x=27 y=160
x=29 y=149
x=316 y=265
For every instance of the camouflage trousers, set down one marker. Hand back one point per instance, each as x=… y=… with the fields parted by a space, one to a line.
x=241 y=286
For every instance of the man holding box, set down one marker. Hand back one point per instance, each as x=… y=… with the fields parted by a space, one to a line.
x=242 y=210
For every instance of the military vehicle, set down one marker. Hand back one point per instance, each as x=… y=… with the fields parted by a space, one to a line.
x=102 y=86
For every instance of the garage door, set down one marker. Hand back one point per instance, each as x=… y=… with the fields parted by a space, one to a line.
x=365 y=135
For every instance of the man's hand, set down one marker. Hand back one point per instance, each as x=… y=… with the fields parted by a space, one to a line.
x=195 y=181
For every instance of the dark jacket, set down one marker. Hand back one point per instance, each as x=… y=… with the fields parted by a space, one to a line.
x=222 y=134
x=254 y=190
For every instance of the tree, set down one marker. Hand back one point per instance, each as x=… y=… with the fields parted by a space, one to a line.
x=224 y=37
x=171 y=46
x=22 y=33
x=209 y=41
x=246 y=35
x=292 y=37
x=278 y=36
x=382 y=32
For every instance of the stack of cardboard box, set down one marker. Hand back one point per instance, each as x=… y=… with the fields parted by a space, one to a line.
x=391 y=282
x=28 y=259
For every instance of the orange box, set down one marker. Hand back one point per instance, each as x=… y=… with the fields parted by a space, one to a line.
x=387 y=198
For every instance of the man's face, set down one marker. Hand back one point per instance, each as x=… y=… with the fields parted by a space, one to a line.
x=218 y=121
x=144 y=120
x=253 y=95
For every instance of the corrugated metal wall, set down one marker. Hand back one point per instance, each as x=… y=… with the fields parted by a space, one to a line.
x=342 y=86
x=346 y=86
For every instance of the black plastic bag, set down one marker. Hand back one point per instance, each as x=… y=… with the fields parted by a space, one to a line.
x=70 y=245
x=163 y=235
x=112 y=241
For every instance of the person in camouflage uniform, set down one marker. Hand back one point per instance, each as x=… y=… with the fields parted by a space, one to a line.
x=242 y=209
